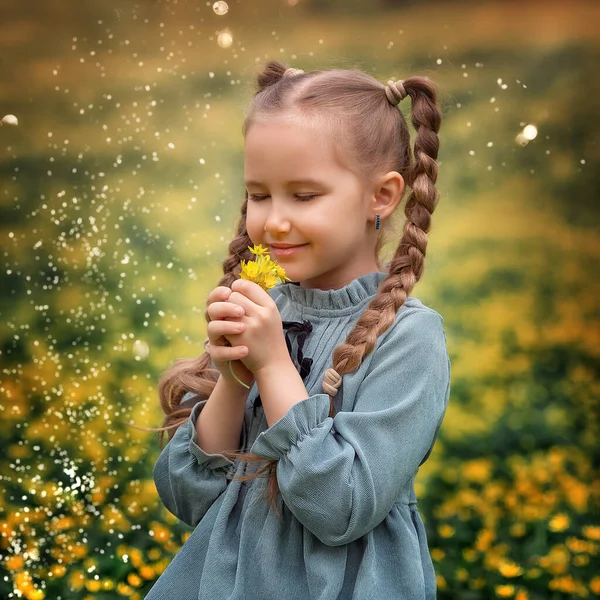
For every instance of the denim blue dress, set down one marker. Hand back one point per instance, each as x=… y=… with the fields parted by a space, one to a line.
x=349 y=526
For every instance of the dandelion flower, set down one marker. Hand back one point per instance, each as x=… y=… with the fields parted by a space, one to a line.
x=258 y=250
x=263 y=271
x=509 y=569
x=559 y=522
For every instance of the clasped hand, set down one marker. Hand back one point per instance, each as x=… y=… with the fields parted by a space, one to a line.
x=255 y=334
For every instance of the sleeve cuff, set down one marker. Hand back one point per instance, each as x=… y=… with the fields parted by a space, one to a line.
x=209 y=461
x=302 y=417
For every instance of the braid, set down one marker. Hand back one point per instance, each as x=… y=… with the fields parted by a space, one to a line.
x=195 y=374
x=406 y=267
x=238 y=250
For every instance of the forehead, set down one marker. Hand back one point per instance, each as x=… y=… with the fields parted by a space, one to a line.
x=287 y=150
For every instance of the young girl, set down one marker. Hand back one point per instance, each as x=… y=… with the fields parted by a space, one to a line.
x=302 y=487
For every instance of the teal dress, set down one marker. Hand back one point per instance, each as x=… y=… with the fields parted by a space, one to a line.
x=349 y=526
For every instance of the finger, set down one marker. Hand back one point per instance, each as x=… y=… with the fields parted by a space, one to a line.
x=222 y=310
x=252 y=291
x=219 y=329
x=219 y=294
x=224 y=353
x=238 y=299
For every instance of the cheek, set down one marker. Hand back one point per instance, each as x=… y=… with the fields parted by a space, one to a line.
x=254 y=224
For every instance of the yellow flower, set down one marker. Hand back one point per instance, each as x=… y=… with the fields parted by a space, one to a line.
x=262 y=271
x=591 y=532
x=559 y=522
x=437 y=554
x=446 y=530
x=505 y=591
x=510 y=569
x=517 y=530
x=258 y=250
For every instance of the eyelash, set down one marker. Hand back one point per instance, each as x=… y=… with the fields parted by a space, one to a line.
x=256 y=198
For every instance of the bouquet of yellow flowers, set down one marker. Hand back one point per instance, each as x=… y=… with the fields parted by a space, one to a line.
x=266 y=273
x=263 y=270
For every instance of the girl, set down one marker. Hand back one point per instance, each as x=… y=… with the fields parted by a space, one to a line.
x=303 y=486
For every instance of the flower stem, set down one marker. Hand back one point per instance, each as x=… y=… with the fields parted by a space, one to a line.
x=236 y=377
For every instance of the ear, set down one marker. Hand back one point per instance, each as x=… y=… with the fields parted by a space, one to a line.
x=387 y=194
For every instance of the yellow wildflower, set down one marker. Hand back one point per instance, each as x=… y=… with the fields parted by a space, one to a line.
x=15 y=562
x=258 y=250
x=505 y=591
x=559 y=522
x=446 y=530
x=517 y=529
x=566 y=584
x=437 y=554
x=591 y=532
x=134 y=580
x=263 y=271
x=509 y=569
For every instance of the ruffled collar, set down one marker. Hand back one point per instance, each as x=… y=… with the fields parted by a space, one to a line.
x=355 y=293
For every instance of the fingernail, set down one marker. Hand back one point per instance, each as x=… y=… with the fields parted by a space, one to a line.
x=239 y=311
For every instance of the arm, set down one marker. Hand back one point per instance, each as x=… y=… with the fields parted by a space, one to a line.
x=188 y=477
x=340 y=477
x=219 y=424
x=271 y=381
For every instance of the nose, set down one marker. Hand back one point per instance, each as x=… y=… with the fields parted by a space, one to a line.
x=276 y=221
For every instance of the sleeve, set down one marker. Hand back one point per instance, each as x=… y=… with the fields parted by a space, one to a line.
x=340 y=477
x=187 y=479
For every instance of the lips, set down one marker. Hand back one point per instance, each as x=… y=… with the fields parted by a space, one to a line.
x=283 y=245
x=282 y=250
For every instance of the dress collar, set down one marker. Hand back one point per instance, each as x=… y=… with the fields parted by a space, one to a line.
x=353 y=294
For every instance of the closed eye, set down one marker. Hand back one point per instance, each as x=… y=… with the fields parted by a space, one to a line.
x=258 y=198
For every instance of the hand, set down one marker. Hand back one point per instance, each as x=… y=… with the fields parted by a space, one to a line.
x=225 y=321
x=263 y=332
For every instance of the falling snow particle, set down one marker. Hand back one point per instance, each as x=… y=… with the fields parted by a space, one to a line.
x=10 y=120
x=225 y=39
x=530 y=132
x=220 y=8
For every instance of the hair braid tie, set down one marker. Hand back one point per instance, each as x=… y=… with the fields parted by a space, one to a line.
x=395 y=92
x=291 y=72
x=331 y=382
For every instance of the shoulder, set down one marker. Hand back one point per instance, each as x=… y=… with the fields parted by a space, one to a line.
x=415 y=306
x=416 y=326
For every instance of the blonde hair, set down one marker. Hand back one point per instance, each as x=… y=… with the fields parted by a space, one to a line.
x=375 y=139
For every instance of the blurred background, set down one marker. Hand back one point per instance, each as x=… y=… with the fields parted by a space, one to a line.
x=120 y=185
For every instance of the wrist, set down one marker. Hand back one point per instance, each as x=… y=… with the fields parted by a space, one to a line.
x=232 y=388
x=274 y=369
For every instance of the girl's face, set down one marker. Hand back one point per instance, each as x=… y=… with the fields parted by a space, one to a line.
x=300 y=195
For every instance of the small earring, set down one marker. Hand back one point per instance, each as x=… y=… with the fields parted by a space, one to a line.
x=377 y=221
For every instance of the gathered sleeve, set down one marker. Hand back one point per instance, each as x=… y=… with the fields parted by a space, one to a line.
x=340 y=477
x=187 y=479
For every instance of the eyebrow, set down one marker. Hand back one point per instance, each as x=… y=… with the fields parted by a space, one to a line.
x=295 y=182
